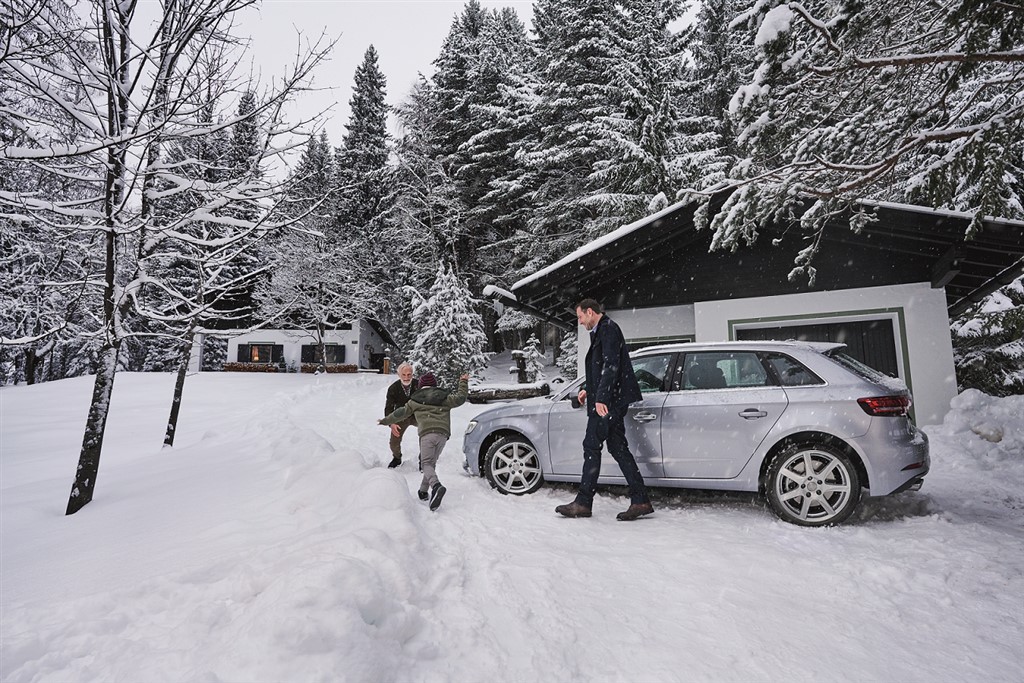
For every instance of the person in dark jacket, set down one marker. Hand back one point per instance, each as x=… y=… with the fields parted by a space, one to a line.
x=398 y=395
x=432 y=407
x=609 y=388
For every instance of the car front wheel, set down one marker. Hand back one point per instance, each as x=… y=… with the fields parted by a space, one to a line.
x=813 y=485
x=513 y=466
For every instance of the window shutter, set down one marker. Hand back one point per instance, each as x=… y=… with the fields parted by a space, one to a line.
x=243 y=353
x=340 y=353
x=277 y=356
x=308 y=353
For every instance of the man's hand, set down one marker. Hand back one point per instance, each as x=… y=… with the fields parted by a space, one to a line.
x=582 y=397
x=602 y=409
x=396 y=431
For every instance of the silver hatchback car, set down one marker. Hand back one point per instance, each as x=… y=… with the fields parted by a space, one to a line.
x=803 y=423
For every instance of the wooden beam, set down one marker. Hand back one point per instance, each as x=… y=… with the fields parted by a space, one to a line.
x=947 y=267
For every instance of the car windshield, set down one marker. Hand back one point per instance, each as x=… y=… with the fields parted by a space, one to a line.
x=571 y=390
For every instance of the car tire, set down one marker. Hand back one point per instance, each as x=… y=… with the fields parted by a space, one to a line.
x=812 y=485
x=512 y=466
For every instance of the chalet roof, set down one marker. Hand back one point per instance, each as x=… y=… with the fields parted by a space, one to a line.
x=666 y=252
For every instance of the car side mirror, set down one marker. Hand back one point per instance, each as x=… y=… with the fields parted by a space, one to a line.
x=574 y=400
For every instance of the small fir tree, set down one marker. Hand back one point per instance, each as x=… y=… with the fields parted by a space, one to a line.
x=450 y=333
x=534 y=359
x=567 y=354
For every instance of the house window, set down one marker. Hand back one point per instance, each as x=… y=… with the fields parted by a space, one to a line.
x=335 y=353
x=260 y=352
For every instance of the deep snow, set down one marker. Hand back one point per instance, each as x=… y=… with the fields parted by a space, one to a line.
x=272 y=545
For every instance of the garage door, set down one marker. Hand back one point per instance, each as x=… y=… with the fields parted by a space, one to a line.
x=870 y=341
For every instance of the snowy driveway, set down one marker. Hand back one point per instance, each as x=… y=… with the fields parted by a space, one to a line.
x=271 y=545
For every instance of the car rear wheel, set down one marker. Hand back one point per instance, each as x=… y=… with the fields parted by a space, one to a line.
x=513 y=466
x=813 y=485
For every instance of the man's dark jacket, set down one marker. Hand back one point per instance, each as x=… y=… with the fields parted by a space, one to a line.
x=610 y=378
x=397 y=397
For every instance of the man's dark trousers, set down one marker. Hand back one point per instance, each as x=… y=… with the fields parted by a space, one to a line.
x=610 y=429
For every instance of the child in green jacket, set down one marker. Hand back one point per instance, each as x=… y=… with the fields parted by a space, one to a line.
x=432 y=407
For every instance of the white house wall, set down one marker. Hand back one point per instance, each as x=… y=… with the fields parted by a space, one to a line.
x=293 y=340
x=921 y=328
x=654 y=325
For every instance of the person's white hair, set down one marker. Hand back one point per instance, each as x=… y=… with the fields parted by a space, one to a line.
x=404 y=365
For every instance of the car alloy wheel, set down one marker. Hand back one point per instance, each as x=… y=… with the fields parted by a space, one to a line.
x=813 y=485
x=513 y=466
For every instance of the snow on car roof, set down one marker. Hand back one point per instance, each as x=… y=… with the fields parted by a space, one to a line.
x=819 y=347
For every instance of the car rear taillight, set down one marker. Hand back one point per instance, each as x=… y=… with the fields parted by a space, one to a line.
x=885 y=406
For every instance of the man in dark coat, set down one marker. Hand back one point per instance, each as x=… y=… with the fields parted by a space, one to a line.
x=398 y=395
x=609 y=389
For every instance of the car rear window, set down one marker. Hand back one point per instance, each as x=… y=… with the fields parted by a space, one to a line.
x=790 y=372
x=866 y=371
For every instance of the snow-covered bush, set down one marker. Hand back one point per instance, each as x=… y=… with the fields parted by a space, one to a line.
x=215 y=353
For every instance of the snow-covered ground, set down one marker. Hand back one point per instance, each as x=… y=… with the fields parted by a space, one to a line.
x=272 y=545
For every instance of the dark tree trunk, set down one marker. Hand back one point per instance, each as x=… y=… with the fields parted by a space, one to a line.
x=179 y=388
x=31 y=364
x=115 y=47
x=92 y=443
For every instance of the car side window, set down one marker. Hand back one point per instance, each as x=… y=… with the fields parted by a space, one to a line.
x=790 y=372
x=723 y=370
x=650 y=372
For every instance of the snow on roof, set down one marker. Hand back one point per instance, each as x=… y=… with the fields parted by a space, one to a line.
x=820 y=347
x=636 y=225
x=966 y=215
x=503 y=293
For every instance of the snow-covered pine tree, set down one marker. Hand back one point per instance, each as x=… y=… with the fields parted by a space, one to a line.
x=242 y=160
x=453 y=91
x=498 y=128
x=721 y=60
x=607 y=111
x=567 y=357
x=919 y=101
x=450 y=333
x=510 y=129
x=534 y=359
x=988 y=343
x=634 y=176
x=361 y=160
x=425 y=221
x=577 y=56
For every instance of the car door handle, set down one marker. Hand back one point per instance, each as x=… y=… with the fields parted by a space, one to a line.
x=753 y=414
x=645 y=417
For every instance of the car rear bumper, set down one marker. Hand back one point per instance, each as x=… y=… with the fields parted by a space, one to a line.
x=897 y=458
